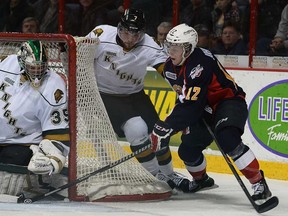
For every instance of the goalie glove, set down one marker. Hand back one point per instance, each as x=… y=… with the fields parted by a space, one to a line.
x=160 y=136
x=48 y=158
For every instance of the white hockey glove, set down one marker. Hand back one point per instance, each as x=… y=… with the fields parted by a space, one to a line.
x=160 y=136
x=48 y=158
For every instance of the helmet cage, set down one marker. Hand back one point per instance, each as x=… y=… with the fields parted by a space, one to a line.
x=33 y=59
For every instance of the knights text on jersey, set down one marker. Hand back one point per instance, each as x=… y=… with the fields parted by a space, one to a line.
x=27 y=112
x=200 y=81
x=120 y=72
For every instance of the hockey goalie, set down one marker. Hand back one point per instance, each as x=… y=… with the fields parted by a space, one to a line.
x=34 y=121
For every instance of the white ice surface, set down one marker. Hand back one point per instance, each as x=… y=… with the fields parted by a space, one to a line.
x=226 y=200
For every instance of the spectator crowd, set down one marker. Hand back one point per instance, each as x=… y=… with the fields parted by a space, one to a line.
x=223 y=25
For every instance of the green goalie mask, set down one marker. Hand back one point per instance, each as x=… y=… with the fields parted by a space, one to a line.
x=33 y=59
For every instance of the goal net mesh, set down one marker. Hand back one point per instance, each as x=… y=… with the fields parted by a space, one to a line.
x=93 y=141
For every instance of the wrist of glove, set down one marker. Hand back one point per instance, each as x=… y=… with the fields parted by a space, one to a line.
x=48 y=158
x=160 y=135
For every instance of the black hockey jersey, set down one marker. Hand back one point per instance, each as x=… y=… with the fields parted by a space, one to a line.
x=200 y=81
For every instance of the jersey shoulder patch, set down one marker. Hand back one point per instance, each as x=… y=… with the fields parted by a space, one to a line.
x=98 y=31
x=58 y=95
x=53 y=89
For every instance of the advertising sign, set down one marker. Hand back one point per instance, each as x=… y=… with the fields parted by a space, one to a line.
x=268 y=117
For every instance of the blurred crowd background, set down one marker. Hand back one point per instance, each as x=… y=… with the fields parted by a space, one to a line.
x=223 y=25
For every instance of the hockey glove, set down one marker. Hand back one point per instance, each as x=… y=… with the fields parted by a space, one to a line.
x=49 y=157
x=160 y=136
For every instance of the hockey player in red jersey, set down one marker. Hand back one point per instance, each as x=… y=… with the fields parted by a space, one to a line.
x=205 y=91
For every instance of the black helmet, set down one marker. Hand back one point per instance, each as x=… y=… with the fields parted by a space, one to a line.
x=133 y=20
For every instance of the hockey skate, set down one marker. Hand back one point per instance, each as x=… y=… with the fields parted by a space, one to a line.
x=261 y=189
x=197 y=185
x=180 y=181
x=162 y=177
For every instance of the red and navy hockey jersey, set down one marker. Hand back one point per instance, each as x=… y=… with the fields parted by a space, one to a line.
x=200 y=81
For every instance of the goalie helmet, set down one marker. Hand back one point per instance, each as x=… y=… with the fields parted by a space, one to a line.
x=184 y=36
x=33 y=59
x=131 y=27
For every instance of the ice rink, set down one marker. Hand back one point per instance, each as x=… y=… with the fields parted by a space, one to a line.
x=226 y=200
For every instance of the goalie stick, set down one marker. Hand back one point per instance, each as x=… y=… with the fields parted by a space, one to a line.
x=23 y=199
x=260 y=208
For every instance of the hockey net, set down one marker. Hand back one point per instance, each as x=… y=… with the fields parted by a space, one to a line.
x=93 y=142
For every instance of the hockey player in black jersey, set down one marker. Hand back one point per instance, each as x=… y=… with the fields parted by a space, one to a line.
x=205 y=91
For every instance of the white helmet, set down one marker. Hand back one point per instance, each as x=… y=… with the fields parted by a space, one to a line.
x=33 y=59
x=185 y=36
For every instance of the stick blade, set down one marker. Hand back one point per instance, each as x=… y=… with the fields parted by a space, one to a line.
x=268 y=205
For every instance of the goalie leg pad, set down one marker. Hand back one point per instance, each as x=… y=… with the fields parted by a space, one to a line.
x=44 y=183
x=11 y=183
x=14 y=183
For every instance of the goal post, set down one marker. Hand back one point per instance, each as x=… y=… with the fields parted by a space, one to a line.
x=93 y=143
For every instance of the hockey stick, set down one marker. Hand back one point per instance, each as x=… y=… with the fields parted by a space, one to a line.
x=267 y=205
x=22 y=170
x=23 y=199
